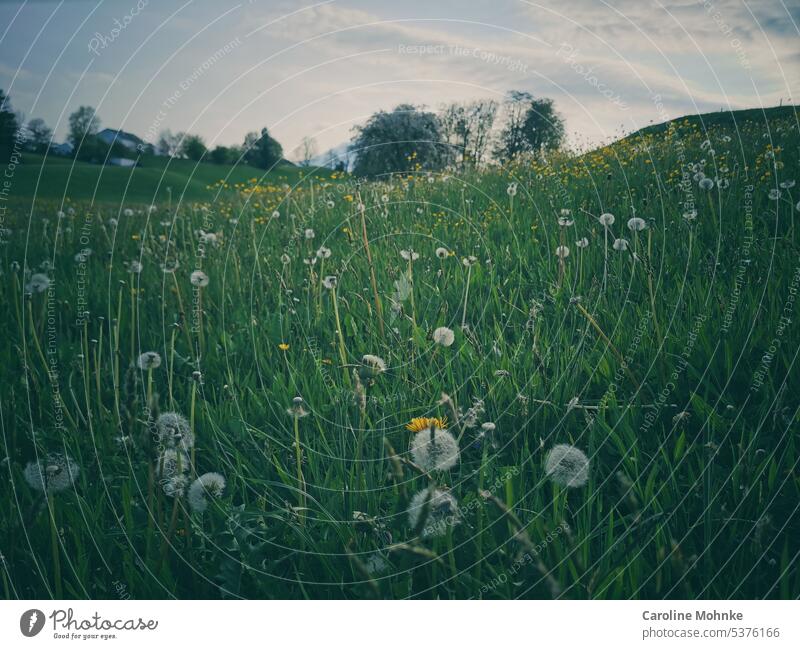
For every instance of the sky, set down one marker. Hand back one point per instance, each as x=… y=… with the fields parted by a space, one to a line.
x=318 y=68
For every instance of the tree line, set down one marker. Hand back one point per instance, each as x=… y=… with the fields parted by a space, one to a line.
x=258 y=149
x=408 y=138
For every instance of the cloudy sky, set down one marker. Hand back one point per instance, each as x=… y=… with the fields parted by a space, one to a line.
x=300 y=67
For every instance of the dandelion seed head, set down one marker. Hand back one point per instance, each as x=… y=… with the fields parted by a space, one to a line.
x=442 y=511
x=38 y=283
x=434 y=449
x=706 y=183
x=567 y=466
x=198 y=278
x=174 y=431
x=309 y=234
x=562 y=252
x=443 y=336
x=329 y=282
x=442 y=253
x=582 y=243
x=148 y=361
x=607 y=219
x=55 y=472
x=207 y=485
x=636 y=224
x=620 y=244
x=323 y=252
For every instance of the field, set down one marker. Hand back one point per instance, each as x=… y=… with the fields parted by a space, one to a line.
x=158 y=179
x=611 y=404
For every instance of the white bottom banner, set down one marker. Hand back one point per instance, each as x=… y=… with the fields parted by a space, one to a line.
x=404 y=624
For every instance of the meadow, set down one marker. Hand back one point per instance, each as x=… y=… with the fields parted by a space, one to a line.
x=570 y=377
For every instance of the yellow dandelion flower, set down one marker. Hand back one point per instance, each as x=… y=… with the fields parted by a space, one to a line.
x=421 y=423
x=283 y=346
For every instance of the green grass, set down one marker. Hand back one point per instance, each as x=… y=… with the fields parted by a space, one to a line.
x=57 y=178
x=671 y=364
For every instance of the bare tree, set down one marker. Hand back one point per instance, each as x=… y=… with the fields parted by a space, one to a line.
x=169 y=143
x=467 y=127
x=306 y=150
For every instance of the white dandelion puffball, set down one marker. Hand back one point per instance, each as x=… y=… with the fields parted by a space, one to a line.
x=309 y=234
x=127 y=212
x=434 y=451
x=774 y=194
x=706 y=183
x=607 y=219
x=375 y=363
x=441 y=508
x=329 y=282
x=567 y=466
x=323 y=252
x=565 y=222
x=276 y=214
x=135 y=267
x=148 y=361
x=444 y=336
x=787 y=184
x=636 y=224
x=171 y=469
x=442 y=253
x=198 y=278
x=620 y=244
x=511 y=190
x=582 y=243
x=209 y=484
x=562 y=252
x=173 y=431
x=53 y=473
x=330 y=205
x=409 y=255
x=469 y=261
x=38 y=283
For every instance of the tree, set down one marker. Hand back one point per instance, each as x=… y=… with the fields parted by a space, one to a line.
x=531 y=125
x=220 y=155
x=262 y=151
x=306 y=150
x=403 y=140
x=8 y=127
x=83 y=124
x=543 y=126
x=512 y=138
x=193 y=147
x=39 y=135
x=467 y=127
x=169 y=144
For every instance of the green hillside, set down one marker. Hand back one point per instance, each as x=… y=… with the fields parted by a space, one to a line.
x=55 y=177
x=726 y=118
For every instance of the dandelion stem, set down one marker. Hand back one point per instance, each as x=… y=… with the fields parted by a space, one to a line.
x=301 y=483
x=54 y=543
x=373 y=280
x=466 y=297
x=342 y=348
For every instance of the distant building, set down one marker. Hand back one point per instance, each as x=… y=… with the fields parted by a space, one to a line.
x=64 y=149
x=128 y=140
x=121 y=162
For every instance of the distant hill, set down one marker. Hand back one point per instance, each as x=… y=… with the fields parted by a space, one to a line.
x=146 y=183
x=725 y=118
